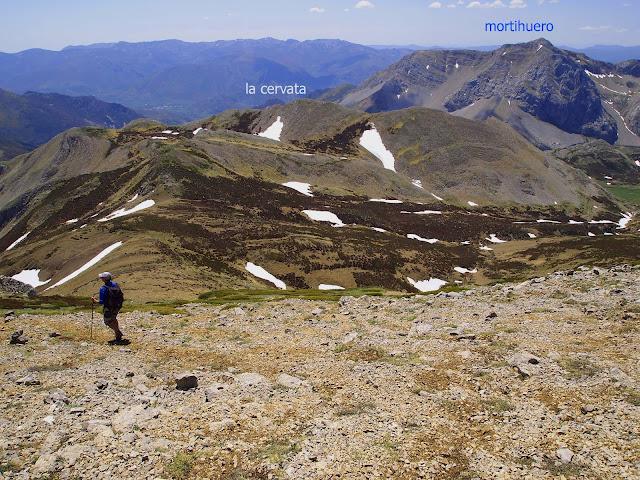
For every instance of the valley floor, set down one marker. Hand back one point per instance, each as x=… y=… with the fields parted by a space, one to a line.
x=537 y=380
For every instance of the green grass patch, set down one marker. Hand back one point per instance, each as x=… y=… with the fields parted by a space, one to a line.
x=180 y=466
x=625 y=193
x=354 y=409
x=499 y=405
x=45 y=305
x=278 y=451
x=225 y=297
x=578 y=367
x=160 y=308
x=342 y=347
x=633 y=397
x=57 y=305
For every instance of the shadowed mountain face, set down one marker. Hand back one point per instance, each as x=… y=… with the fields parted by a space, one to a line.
x=547 y=94
x=376 y=199
x=29 y=120
x=180 y=81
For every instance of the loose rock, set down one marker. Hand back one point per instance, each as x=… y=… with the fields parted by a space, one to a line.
x=186 y=381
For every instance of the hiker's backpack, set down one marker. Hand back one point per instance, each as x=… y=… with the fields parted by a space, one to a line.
x=115 y=298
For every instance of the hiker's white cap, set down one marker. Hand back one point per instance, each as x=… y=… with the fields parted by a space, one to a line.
x=106 y=275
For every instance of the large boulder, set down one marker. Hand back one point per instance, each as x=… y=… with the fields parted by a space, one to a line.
x=9 y=286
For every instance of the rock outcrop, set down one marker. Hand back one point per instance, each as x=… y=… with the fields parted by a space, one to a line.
x=9 y=286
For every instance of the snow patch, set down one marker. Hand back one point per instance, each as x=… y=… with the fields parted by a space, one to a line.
x=599 y=75
x=159 y=138
x=465 y=270
x=591 y=234
x=542 y=220
x=123 y=211
x=303 y=188
x=384 y=200
x=378 y=229
x=133 y=199
x=260 y=272
x=426 y=212
x=413 y=236
x=485 y=248
x=624 y=221
x=372 y=142
x=531 y=235
x=197 y=131
x=624 y=122
x=30 y=277
x=324 y=286
x=493 y=239
x=437 y=197
x=274 y=131
x=472 y=204
x=614 y=91
x=324 y=216
x=87 y=265
x=18 y=241
x=601 y=222
x=431 y=285
x=417 y=183
x=73 y=220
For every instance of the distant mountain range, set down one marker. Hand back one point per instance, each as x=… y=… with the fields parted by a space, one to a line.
x=610 y=53
x=604 y=53
x=553 y=97
x=178 y=81
x=29 y=120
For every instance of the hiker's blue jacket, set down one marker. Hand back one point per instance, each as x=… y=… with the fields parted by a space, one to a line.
x=104 y=290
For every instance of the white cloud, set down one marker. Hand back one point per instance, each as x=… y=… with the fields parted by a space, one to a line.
x=494 y=4
x=497 y=4
x=435 y=5
x=603 y=28
x=365 y=4
x=317 y=10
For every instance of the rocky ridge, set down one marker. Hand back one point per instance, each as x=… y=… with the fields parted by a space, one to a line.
x=530 y=380
x=10 y=286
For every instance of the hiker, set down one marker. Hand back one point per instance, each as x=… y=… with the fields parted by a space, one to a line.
x=111 y=299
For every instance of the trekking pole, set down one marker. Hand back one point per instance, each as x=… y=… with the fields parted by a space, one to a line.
x=91 y=330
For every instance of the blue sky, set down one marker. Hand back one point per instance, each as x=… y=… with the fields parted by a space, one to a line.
x=55 y=24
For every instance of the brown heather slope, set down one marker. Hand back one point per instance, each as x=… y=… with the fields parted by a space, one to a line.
x=218 y=203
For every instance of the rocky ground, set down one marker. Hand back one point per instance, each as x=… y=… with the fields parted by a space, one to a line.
x=530 y=381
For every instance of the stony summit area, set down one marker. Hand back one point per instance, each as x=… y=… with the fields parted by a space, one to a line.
x=536 y=380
